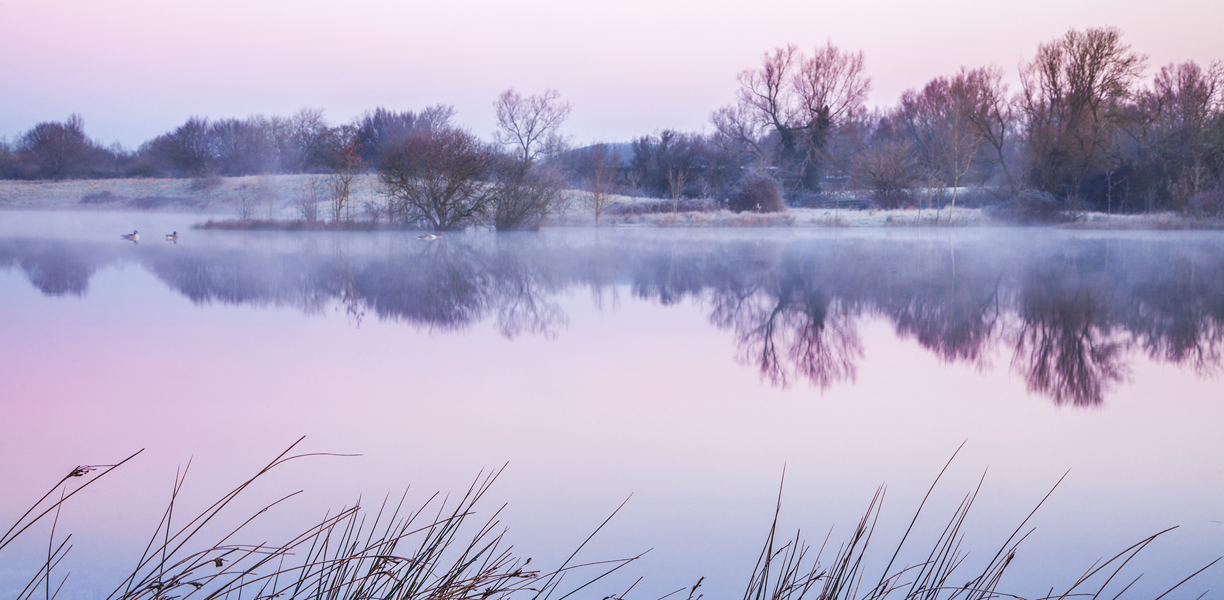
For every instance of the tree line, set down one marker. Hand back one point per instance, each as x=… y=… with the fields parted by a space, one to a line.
x=1084 y=131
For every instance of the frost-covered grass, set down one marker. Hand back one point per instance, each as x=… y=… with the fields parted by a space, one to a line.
x=278 y=195
x=279 y=198
x=1165 y=220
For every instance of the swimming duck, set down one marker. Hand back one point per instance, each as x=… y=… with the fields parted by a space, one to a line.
x=172 y=237
x=429 y=237
x=134 y=236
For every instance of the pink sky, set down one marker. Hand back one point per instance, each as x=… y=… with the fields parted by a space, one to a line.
x=136 y=68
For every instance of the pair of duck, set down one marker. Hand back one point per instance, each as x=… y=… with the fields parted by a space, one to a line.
x=135 y=236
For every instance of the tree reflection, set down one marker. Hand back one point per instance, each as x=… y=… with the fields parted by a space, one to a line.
x=1178 y=314
x=523 y=291
x=956 y=322
x=793 y=332
x=1072 y=313
x=1065 y=348
x=55 y=269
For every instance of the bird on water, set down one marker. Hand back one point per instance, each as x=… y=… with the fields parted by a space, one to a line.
x=172 y=237
x=134 y=236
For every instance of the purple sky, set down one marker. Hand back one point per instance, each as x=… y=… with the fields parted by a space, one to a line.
x=136 y=68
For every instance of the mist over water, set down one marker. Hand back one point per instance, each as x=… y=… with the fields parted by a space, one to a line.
x=687 y=368
x=1072 y=310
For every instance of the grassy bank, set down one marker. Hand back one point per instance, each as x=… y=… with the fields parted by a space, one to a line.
x=274 y=202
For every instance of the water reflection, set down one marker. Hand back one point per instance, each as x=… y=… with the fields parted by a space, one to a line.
x=1072 y=311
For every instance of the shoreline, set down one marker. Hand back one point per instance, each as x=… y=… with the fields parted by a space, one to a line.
x=281 y=195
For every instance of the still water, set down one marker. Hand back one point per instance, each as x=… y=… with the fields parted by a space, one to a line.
x=684 y=370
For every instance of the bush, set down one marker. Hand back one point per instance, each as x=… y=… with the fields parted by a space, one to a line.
x=1030 y=208
x=757 y=192
x=894 y=198
x=524 y=195
x=657 y=206
x=205 y=183
x=1207 y=205
x=103 y=197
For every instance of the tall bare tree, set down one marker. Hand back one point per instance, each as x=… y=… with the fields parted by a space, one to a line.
x=347 y=166
x=529 y=126
x=958 y=123
x=304 y=143
x=528 y=129
x=799 y=99
x=1184 y=103
x=383 y=128
x=1075 y=92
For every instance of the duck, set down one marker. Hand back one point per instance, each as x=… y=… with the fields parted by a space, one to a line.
x=429 y=237
x=134 y=236
x=172 y=237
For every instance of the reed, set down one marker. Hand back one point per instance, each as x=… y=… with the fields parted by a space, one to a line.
x=439 y=551
x=783 y=571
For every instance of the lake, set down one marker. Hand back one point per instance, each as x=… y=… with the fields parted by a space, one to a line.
x=685 y=370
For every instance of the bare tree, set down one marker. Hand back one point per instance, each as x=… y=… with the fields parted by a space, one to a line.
x=8 y=159
x=952 y=122
x=440 y=178
x=243 y=146
x=188 y=149
x=523 y=196
x=528 y=126
x=381 y=128
x=1184 y=101
x=1075 y=92
x=602 y=179
x=800 y=99
x=347 y=166
x=887 y=168
x=991 y=115
x=677 y=177
x=309 y=195
x=56 y=148
x=246 y=200
x=304 y=143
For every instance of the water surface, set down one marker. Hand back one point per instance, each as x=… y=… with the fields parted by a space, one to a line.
x=687 y=368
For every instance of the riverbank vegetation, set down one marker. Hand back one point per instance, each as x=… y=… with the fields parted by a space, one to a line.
x=443 y=550
x=1088 y=130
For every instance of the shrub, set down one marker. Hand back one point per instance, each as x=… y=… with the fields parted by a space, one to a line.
x=1030 y=208
x=757 y=192
x=205 y=183
x=1207 y=205
x=524 y=195
x=894 y=198
x=655 y=206
x=102 y=197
